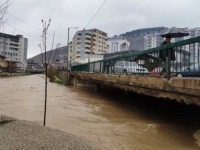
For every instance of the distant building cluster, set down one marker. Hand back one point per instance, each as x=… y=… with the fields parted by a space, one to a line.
x=155 y=40
x=90 y=42
x=93 y=44
x=14 y=49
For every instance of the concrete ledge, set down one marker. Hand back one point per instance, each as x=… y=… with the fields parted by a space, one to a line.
x=180 y=89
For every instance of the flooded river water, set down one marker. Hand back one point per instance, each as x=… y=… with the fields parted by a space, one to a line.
x=109 y=118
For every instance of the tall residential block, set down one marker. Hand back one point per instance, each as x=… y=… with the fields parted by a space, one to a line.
x=87 y=42
x=14 y=48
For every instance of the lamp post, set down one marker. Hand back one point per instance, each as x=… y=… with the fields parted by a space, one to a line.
x=68 y=53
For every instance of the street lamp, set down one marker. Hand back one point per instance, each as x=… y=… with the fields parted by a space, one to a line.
x=68 y=53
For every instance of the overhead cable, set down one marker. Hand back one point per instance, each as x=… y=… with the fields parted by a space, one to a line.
x=95 y=14
x=31 y=25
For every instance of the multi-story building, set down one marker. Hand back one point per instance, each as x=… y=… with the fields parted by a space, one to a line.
x=70 y=54
x=117 y=44
x=14 y=47
x=152 y=40
x=3 y=63
x=193 y=49
x=86 y=42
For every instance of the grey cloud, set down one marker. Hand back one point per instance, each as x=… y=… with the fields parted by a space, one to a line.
x=115 y=17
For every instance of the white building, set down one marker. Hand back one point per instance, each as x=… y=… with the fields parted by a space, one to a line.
x=152 y=40
x=70 y=54
x=14 y=47
x=194 y=49
x=89 y=58
x=87 y=42
x=117 y=44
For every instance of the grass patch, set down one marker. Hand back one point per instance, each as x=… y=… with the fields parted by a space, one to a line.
x=5 y=122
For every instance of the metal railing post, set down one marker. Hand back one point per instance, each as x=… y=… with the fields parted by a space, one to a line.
x=169 y=64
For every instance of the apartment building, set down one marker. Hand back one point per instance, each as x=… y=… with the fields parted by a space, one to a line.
x=117 y=44
x=70 y=54
x=14 y=47
x=87 y=42
x=3 y=62
x=152 y=40
x=193 y=49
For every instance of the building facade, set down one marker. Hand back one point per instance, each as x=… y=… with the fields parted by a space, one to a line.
x=14 y=47
x=152 y=40
x=117 y=44
x=87 y=42
x=3 y=62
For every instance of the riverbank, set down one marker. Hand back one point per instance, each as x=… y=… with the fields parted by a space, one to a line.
x=13 y=74
x=16 y=134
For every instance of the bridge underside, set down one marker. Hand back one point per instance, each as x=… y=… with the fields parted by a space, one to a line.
x=186 y=90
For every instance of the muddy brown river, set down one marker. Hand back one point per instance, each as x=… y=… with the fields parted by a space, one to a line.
x=109 y=118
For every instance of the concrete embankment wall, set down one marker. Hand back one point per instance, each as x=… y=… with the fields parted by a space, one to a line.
x=62 y=75
x=77 y=82
x=185 y=90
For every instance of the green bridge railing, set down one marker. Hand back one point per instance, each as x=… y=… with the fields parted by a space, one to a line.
x=176 y=59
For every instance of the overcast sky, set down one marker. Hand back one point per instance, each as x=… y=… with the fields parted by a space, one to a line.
x=115 y=17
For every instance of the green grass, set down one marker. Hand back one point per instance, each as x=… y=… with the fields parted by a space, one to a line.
x=5 y=122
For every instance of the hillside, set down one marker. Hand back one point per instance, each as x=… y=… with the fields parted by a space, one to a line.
x=136 y=37
x=54 y=55
x=142 y=32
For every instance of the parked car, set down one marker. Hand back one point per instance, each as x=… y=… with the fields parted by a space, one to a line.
x=192 y=71
x=128 y=67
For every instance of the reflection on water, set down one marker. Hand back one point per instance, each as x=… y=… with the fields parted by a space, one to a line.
x=110 y=118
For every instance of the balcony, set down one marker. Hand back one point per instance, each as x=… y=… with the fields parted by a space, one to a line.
x=88 y=41
x=87 y=46
x=87 y=52
x=78 y=55
x=88 y=36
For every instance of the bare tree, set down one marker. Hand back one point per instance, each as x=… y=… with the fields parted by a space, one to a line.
x=45 y=62
x=3 y=9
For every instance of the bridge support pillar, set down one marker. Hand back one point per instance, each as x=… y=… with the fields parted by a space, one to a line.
x=74 y=81
x=97 y=87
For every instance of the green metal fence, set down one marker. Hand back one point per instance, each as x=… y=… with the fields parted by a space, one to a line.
x=176 y=59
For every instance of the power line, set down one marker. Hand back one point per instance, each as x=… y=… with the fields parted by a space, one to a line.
x=31 y=25
x=96 y=13
x=22 y=31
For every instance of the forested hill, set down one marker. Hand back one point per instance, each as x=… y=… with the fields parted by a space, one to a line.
x=54 y=54
x=142 y=32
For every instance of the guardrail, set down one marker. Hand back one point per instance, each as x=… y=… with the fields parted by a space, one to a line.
x=175 y=59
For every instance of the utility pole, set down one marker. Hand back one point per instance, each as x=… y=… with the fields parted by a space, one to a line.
x=67 y=82
x=57 y=60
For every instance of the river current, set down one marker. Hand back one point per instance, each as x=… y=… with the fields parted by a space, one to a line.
x=110 y=118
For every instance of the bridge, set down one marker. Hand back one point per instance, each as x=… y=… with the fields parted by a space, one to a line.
x=175 y=85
